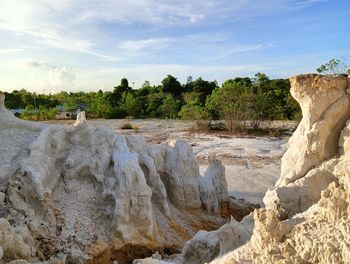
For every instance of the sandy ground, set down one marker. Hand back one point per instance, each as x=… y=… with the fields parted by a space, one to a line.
x=252 y=163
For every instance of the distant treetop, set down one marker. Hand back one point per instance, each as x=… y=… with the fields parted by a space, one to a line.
x=334 y=66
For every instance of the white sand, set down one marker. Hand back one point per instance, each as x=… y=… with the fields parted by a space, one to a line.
x=252 y=164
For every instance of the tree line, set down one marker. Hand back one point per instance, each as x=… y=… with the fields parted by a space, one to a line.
x=235 y=101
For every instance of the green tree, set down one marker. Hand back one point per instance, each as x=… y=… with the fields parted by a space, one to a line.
x=237 y=102
x=334 y=66
x=171 y=85
x=132 y=104
x=198 y=114
x=170 y=107
x=154 y=103
x=124 y=83
x=116 y=96
x=201 y=88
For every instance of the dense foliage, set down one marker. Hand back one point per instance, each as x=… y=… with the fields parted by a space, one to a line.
x=236 y=101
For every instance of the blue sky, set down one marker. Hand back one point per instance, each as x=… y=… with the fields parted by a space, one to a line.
x=50 y=45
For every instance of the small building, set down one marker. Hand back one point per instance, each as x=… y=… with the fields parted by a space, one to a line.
x=17 y=112
x=69 y=113
x=64 y=115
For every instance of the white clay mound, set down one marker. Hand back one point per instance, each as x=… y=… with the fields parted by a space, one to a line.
x=88 y=195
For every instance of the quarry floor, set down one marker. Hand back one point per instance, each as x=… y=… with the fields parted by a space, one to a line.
x=252 y=162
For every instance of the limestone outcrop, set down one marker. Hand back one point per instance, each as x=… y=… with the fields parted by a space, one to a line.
x=88 y=195
x=321 y=234
x=325 y=105
x=307 y=214
x=206 y=246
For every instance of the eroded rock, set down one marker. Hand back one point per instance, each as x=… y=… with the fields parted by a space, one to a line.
x=89 y=195
x=307 y=219
x=325 y=105
x=12 y=244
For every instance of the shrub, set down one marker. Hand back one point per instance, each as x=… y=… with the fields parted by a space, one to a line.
x=199 y=115
x=334 y=66
x=126 y=125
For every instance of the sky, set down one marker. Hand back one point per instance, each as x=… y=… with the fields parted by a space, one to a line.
x=51 y=45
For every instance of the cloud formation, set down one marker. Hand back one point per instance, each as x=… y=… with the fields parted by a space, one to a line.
x=10 y=50
x=67 y=24
x=46 y=23
x=53 y=78
x=205 y=38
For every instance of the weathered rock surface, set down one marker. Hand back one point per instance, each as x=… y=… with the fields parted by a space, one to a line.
x=89 y=195
x=206 y=246
x=307 y=215
x=319 y=235
x=325 y=105
x=68 y=182
x=12 y=245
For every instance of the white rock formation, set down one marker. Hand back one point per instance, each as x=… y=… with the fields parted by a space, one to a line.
x=325 y=105
x=80 y=118
x=307 y=219
x=313 y=193
x=213 y=186
x=13 y=140
x=87 y=193
x=206 y=246
x=68 y=182
x=319 y=235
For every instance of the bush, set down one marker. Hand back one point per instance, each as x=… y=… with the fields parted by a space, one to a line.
x=334 y=66
x=126 y=125
x=198 y=114
x=136 y=128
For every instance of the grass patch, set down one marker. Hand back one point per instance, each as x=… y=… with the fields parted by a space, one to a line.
x=270 y=132
x=129 y=126
x=221 y=128
x=126 y=125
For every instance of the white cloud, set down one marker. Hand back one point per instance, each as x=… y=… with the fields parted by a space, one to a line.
x=51 y=77
x=191 y=40
x=238 y=49
x=138 y=45
x=155 y=12
x=92 y=27
x=69 y=24
x=182 y=12
x=10 y=51
x=44 y=23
